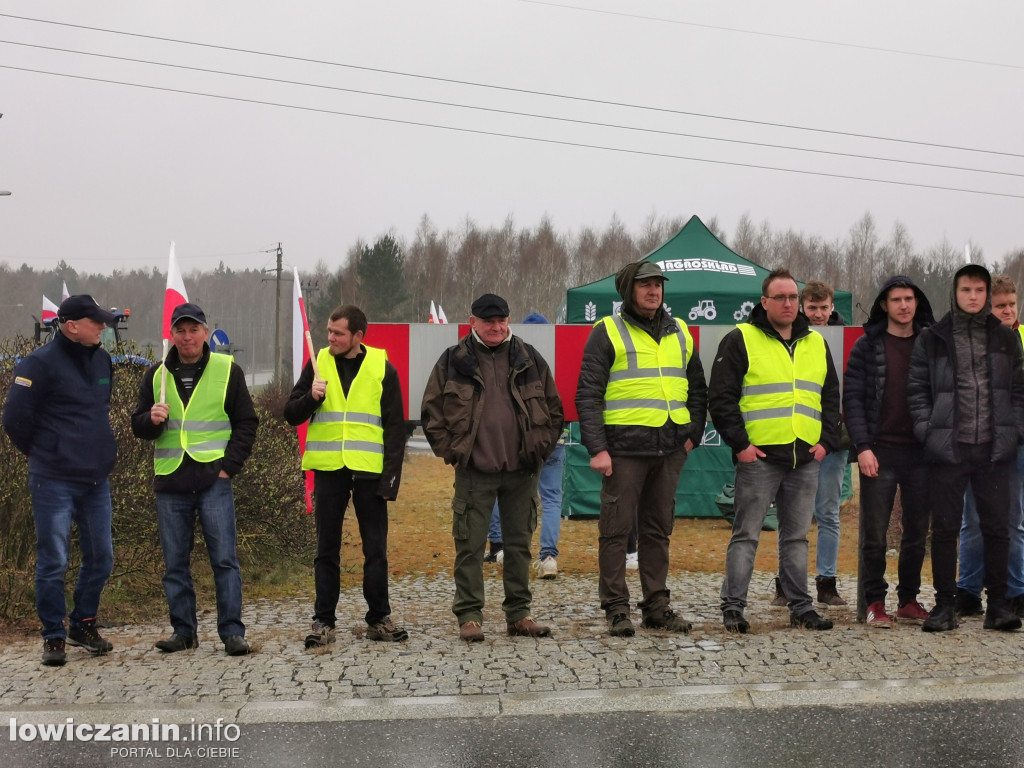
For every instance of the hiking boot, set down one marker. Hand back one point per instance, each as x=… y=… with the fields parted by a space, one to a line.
x=876 y=617
x=321 y=635
x=86 y=636
x=527 y=628
x=632 y=561
x=176 y=643
x=999 y=616
x=827 y=592
x=546 y=567
x=912 y=611
x=810 y=620
x=734 y=622
x=53 y=652
x=780 y=600
x=619 y=625
x=385 y=630
x=667 y=620
x=941 y=619
x=471 y=632
x=236 y=645
x=968 y=604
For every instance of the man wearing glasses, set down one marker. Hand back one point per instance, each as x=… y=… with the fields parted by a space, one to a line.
x=774 y=398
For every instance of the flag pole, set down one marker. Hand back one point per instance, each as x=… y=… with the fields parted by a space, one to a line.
x=163 y=375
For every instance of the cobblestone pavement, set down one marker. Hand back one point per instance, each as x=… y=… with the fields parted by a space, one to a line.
x=579 y=657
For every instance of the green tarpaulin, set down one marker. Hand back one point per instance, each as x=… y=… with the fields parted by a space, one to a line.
x=708 y=284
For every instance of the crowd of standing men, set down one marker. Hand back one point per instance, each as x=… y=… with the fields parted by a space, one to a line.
x=935 y=409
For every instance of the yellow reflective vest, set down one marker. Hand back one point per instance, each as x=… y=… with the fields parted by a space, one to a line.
x=348 y=431
x=647 y=384
x=202 y=428
x=781 y=395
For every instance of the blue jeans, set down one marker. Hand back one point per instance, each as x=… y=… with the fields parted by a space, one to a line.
x=793 y=489
x=176 y=515
x=551 y=503
x=972 y=564
x=55 y=505
x=826 y=511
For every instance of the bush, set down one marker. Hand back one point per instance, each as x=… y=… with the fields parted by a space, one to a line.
x=269 y=503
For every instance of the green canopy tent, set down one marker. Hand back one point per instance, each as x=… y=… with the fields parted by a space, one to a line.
x=709 y=284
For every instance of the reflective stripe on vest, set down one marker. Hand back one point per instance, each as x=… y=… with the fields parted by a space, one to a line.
x=647 y=383
x=781 y=395
x=348 y=431
x=202 y=428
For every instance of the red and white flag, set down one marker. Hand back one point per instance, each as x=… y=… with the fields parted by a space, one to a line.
x=433 y=314
x=175 y=293
x=300 y=356
x=49 y=310
x=440 y=315
x=64 y=292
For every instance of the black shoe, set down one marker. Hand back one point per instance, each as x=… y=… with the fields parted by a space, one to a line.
x=667 y=620
x=619 y=625
x=53 y=652
x=734 y=622
x=236 y=645
x=810 y=620
x=86 y=636
x=941 y=619
x=968 y=604
x=1017 y=605
x=492 y=556
x=999 y=616
x=176 y=643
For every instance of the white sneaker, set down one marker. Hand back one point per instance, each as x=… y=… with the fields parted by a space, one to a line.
x=500 y=557
x=632 y=561
x=546 y=568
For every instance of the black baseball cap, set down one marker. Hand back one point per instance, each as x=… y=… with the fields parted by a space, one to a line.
x=188 y=311
x=83 y=305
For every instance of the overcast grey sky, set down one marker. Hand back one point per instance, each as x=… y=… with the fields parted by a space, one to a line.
x=104 y=175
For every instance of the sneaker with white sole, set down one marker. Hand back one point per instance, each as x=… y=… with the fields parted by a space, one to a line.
x=876 y=617
x=546 y=567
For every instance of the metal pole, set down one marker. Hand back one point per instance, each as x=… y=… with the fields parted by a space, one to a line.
x=278 y=379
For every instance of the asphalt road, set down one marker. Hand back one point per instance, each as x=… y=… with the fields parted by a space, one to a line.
x=948 y=733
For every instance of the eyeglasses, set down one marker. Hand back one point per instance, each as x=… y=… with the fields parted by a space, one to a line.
x=785 y=299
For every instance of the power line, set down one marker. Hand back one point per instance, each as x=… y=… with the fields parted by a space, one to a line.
x=558 y=142
x=778 y=35
x=510 y=89
x=576 y=121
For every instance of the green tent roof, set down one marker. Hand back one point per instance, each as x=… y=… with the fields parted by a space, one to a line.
x=708 y=283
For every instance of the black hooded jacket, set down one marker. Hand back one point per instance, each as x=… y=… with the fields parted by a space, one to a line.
x=598 y=357
x=864 y=381
x=726 y=385
x=932 y=386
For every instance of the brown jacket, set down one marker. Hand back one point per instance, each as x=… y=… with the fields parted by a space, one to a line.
x=455 y=397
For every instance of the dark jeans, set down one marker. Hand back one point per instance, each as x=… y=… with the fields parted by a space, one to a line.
x=904 y=469
x=331 y=493
x=991 y=485
x=55 y=505
x=641 y=490
x=176 y=514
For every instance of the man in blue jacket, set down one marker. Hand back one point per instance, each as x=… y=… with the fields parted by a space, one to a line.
x=58 y=414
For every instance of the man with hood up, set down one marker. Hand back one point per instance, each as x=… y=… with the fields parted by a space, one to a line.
x=887 y=453
x=966 y=396
x=775 y=401
x=642 y=403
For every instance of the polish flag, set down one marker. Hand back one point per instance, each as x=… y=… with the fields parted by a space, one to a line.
x=440 y=315
x=64 y=292
x=433 y=314
x=175 y=293
x=300 y=356
x=49 y=310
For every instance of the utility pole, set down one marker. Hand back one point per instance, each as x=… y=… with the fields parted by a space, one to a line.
x=278 y=376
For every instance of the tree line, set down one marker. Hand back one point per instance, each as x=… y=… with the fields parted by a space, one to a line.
x=394 y=279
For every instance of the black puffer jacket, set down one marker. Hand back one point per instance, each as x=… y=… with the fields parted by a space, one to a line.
x=931 y=390
x=864 y=381
x=634 y=440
